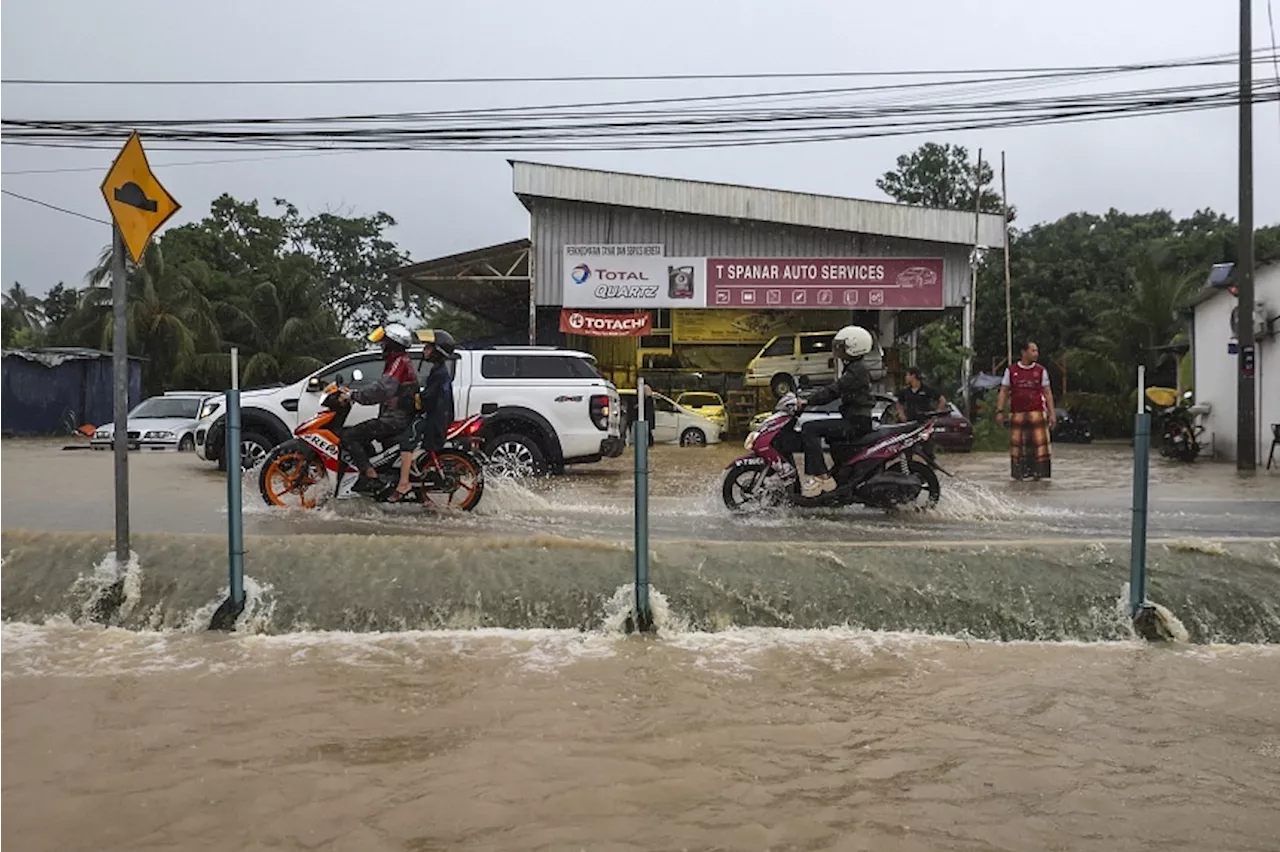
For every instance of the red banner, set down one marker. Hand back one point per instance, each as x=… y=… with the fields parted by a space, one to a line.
x=827 y=283
x=593 y=324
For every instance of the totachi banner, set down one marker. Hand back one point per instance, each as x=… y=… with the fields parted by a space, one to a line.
x=591 y=324
x=825 y=283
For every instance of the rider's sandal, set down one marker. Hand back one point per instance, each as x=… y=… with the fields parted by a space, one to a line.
x=397 y=496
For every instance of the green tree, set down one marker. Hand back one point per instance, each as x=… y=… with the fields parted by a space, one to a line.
x=23 y=310
x=942 y=176
x=169 y=320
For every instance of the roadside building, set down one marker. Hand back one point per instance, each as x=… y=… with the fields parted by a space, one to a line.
x=686 y=282
x=1215 y=317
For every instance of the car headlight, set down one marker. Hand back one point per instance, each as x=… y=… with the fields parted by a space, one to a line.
x=209 y=409
x=159 y=435
x=751 y=440
x=102 y=433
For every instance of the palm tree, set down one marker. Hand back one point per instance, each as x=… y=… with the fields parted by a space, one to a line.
x=23 y=310
x=170 y=321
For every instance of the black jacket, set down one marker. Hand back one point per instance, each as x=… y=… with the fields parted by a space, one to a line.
x=853 y=389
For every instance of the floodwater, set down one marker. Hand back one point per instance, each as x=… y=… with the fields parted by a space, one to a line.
x=758 y=739
x=842 y=680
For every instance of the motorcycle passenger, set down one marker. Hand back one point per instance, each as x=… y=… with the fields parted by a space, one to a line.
x=853 y=389
x=393 y=393
x=435 y=406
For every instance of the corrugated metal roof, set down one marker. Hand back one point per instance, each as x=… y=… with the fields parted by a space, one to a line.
x=701 y=198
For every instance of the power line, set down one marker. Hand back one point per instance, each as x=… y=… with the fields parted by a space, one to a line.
x=232 y=160
x=1216 y=59
x=55 y=207
x=1275 y=57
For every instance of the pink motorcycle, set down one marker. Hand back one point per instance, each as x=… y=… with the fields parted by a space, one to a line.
x=889 y=468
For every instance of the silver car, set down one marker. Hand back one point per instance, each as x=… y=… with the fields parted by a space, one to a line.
x=165 y=422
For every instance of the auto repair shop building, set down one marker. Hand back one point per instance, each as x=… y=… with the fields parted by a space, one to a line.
x=665 y=276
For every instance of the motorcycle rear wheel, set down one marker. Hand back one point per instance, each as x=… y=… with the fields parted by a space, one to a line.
x=459 y=471
x=930 y=486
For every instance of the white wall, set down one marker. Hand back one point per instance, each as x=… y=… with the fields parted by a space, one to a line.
x=1216 y=369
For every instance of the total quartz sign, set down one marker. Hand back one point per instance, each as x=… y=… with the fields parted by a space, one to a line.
x=642 y=276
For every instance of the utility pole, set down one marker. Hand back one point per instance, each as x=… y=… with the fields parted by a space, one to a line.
x=1246 y=418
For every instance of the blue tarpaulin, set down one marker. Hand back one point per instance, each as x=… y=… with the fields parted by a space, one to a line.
x=52 y=391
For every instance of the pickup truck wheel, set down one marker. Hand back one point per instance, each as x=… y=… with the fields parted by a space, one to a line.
x=515 y=455
x=253 y=449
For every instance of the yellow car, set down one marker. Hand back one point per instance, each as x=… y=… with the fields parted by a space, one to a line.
x=705 y=404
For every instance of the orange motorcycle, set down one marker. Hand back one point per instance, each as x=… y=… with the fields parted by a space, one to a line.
x=296 y=473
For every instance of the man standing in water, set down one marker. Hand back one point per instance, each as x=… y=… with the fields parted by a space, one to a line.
x=1026 y=385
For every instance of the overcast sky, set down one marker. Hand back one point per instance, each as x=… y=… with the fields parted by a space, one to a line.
x=448 y=202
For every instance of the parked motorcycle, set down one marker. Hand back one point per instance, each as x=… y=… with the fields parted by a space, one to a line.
x=293 y=468
x=1183 y=423
x=890 y=467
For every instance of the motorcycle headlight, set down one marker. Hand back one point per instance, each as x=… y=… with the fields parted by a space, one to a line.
x=751 y=441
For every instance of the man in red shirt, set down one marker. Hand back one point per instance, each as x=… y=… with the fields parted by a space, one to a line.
x=1026 y=385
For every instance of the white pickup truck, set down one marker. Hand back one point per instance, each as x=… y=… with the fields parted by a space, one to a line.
x=549 y=407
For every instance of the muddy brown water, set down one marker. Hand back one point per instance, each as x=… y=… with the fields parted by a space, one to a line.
x=716 y=734
x=754 y=740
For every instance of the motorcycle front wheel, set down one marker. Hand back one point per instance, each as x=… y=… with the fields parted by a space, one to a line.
x=752 y=485
x=292 y=476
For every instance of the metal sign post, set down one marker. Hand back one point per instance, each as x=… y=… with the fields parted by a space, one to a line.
x=1146 y=621
x=139 y=206
x=120 y=368
x=229 y=611
x=642 y=618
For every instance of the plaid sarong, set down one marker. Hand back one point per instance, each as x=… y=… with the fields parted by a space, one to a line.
x=1029 y=445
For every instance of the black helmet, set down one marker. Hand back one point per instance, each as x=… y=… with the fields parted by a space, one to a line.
x=442 y=340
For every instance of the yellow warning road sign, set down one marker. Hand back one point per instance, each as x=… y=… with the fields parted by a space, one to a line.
x=138 y=203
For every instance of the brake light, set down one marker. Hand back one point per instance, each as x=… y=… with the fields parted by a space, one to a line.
x=600 y=411
x=474 y=426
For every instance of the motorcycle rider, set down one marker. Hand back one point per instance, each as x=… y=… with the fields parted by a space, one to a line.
x=853 y=389
x=393 y=393
x=435 y=406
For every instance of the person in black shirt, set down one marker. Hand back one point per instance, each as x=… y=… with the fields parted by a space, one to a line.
x=917 y=398
x=853 y=389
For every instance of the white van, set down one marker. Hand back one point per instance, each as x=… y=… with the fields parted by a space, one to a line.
x=790 y=361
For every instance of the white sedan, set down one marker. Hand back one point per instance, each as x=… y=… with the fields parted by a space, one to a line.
x=675 y=424
x=165 y=422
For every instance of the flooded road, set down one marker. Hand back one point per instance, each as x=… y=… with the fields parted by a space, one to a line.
x=1088 y=498
x=747 y=740
x=845 y=680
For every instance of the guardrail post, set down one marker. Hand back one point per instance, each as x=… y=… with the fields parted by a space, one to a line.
x=641 y=618
x=1145 y=618
x=229 y=611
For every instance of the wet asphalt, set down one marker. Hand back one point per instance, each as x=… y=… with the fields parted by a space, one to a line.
x=47 y=487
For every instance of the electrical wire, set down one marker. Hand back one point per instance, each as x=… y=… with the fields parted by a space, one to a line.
x=610 y=78
x=55 y=207
x=1275 y=56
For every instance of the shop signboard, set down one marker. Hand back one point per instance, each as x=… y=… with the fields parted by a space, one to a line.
x=825 y=283
x=627 y=276
x=737 y=326
x=593 y=324
x=631 y=276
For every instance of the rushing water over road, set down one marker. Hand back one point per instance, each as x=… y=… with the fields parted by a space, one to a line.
x=820 y=680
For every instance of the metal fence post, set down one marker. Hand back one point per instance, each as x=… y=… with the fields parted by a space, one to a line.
x=642 y=618
x=1146 y=621
x=229 y=611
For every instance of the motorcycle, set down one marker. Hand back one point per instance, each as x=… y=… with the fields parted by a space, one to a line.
x=1183 y=424
x=888 y=468
x=316 y=452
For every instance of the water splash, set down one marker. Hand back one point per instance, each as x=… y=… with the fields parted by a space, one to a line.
x=111 y=591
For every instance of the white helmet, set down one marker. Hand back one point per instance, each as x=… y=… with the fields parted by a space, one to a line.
x=852 y=341
x=393 y=331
